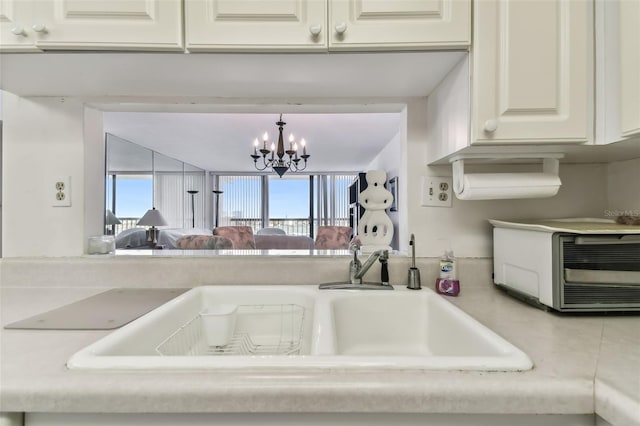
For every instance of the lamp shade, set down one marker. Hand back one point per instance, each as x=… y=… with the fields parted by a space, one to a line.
x=111 y=218
x=152 y=218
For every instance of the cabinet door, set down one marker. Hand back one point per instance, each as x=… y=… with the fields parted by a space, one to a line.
x=399 y=24
x=259 y=25
x=107 y=24
x=532 y=71
x=630 y=67
x=16 y=17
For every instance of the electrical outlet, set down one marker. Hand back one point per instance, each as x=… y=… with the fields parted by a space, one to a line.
x=62 y=192
x=436 y=191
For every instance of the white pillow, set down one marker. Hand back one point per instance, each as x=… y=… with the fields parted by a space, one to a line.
x=271 y=231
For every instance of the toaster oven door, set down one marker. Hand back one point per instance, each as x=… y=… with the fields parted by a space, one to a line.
x=599 y=273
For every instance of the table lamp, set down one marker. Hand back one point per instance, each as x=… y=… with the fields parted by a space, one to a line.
x=111 y=220
x=152 y=218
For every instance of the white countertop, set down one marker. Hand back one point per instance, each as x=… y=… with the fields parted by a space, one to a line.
x=575 y=358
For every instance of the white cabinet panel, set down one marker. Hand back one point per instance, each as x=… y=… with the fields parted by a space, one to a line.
x=630 y=67
x=124 y=24
x=92 y=25
x=16 y=17
x=293 y=25
x=399 y=24
x=532 y=71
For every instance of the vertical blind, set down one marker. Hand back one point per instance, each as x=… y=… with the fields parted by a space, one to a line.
x=241 y=201
x=174 y=202
x=339 y=198
x=332 y=200
x=169 y=198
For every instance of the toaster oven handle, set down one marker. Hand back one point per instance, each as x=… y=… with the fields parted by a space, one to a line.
x=606 y=239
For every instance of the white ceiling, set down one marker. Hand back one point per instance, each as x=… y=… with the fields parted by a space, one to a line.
x=223 y=142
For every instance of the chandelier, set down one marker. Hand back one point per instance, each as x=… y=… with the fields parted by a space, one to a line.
x=275 y=158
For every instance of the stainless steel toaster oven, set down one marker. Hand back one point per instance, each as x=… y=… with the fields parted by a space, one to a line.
x=569 y=271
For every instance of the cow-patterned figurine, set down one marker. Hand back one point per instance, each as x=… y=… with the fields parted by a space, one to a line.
x=375 y=228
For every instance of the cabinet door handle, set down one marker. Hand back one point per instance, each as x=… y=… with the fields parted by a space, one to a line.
x=490 y=126
x=19 y=31
x=40 y=28
x=315 y=29
x=341 y=27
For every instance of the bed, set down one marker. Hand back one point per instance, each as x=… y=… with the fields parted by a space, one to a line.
x=136 y=238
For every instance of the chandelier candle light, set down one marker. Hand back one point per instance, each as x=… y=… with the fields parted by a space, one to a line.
x=280 y=165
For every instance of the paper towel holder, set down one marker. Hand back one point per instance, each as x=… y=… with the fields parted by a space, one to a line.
x=550 y=165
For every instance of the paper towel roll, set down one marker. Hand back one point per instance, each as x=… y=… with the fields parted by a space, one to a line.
x=498 y=186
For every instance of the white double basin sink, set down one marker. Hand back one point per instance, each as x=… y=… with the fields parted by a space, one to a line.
x=303 y=327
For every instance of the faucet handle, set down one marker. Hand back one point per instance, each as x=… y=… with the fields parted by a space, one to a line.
x=384 y=268
x=384 y=256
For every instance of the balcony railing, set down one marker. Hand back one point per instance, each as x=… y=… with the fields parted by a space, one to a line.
x=292 y=226
x=127 y=223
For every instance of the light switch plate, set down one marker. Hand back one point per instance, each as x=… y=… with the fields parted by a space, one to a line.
x=436 y=191
x=61 y=191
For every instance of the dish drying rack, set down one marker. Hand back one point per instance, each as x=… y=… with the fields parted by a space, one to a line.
x=259 y=330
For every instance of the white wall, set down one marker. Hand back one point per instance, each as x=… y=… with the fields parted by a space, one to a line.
x=465 y=228
x=1 y=132
x=448 y=113
x=94 y=174
x=0 y=177
x=45 y=138
x=623 y=184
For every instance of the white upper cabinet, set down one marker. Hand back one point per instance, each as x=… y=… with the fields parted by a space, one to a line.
x=305 y=25
x=92 y=25
x=16 y=19
x=399 y=24
x=617 y=70
x=235 y=25
x=532 y=78
x=629 y=39
x=260 y=25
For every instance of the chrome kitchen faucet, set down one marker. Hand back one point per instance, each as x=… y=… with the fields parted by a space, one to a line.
x=357 y=270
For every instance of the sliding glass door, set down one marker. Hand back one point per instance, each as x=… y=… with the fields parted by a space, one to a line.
x=295 y=203
x=289 y=207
